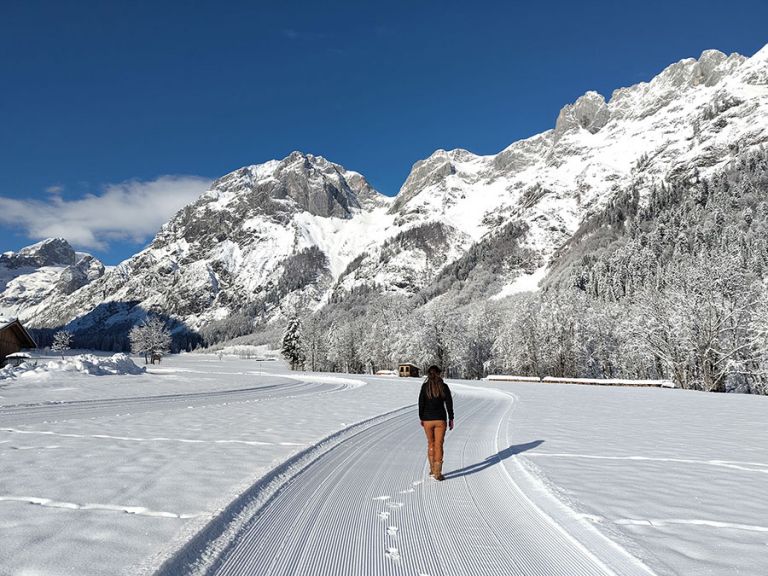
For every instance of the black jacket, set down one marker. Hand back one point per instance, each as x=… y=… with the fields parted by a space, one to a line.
x=435 y=408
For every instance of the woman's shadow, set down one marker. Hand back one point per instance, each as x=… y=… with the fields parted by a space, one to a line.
x=494 y=459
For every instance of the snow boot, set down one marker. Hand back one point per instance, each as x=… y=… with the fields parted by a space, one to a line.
x=438 y=471
x=431 y=469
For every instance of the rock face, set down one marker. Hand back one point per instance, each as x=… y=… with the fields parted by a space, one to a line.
x=302 y=230
x=42 y=272
x=262 y=238
x=51 y=252
x=589 y=112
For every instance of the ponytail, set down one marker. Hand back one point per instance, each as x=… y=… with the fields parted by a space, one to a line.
x=435 y=385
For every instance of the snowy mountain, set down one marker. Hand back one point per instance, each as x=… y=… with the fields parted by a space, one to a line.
x=304 y=231
x=42 y=272
x=690 y=120
x=261 y=238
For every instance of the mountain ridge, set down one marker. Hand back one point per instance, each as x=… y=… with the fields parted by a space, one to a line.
x=300 y=231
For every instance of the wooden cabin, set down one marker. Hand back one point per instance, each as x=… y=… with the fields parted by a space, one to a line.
x=406 y=370
x=13 y=338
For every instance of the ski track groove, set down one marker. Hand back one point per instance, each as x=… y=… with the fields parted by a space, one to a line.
x=39 y=413
x=327 y=518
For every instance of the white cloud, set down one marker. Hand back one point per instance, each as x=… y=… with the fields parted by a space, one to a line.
x=132 y=210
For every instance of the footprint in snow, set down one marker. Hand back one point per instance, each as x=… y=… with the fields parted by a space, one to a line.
x=392 y=553
x=417 y=482
x=408 y=491
x=392 y=531
x=381 y=498
x=384 y=515
x=395 y=505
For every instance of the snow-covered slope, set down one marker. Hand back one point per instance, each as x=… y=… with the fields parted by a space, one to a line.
x=689 y=120
x=262 y=237
x=298 y=231
x=42 y=272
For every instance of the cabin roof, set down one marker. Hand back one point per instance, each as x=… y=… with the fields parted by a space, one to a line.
x=13 y=324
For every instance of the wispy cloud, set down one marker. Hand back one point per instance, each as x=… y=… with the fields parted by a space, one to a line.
x=132 y=210
x=55 y=189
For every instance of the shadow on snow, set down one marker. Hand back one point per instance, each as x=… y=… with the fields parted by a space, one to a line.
x=494 y=459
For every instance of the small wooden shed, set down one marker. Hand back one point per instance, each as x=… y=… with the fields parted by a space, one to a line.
x=407 y=370
x=13 y=338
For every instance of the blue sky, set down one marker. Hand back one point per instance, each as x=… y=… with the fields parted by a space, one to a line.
x=114 y=114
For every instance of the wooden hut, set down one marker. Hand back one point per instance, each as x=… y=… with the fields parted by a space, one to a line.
x=13 y=338
x=407 y=370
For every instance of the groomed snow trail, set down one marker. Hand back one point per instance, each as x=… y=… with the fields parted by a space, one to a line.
x=368 y=507
x=35 y=413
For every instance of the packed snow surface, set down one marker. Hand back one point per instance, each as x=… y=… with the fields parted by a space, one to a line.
x=211 y=464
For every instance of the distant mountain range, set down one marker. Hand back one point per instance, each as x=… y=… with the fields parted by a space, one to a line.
x=303 y=231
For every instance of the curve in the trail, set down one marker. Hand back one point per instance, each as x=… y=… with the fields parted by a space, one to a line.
x=367 y=507
x=31 y=414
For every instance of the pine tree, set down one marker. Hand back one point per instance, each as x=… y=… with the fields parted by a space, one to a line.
x=291 y=344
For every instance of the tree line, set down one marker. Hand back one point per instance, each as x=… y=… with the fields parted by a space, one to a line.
x=665 y=282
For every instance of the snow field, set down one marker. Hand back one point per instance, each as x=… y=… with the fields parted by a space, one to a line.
x=210 y=466
x=676 y=477
x=367 y=507
x=107 y=484
x=183 y=374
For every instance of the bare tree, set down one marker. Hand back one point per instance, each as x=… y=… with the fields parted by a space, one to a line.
x=62 y=341
x=152 y=339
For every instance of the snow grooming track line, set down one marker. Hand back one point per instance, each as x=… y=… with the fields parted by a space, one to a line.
x=612 y=557
x=202 y=553
x=37 y=413
x=350 y=511
x=128 y=399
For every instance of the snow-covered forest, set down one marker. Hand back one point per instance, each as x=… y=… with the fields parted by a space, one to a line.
x=672 y=286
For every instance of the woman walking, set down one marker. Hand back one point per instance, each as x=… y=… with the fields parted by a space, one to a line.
x=434 y=400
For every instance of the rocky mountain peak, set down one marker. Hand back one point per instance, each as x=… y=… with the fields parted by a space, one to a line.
x=43 y=271
x=298 y=182
x=307 y=164
x=429 y=172
x=49 y=252
x=708 y=70
x=589 y=112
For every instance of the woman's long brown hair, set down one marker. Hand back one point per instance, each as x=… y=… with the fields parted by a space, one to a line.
x=434 y=383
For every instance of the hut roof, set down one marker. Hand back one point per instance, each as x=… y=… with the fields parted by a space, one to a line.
x=21 y=332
